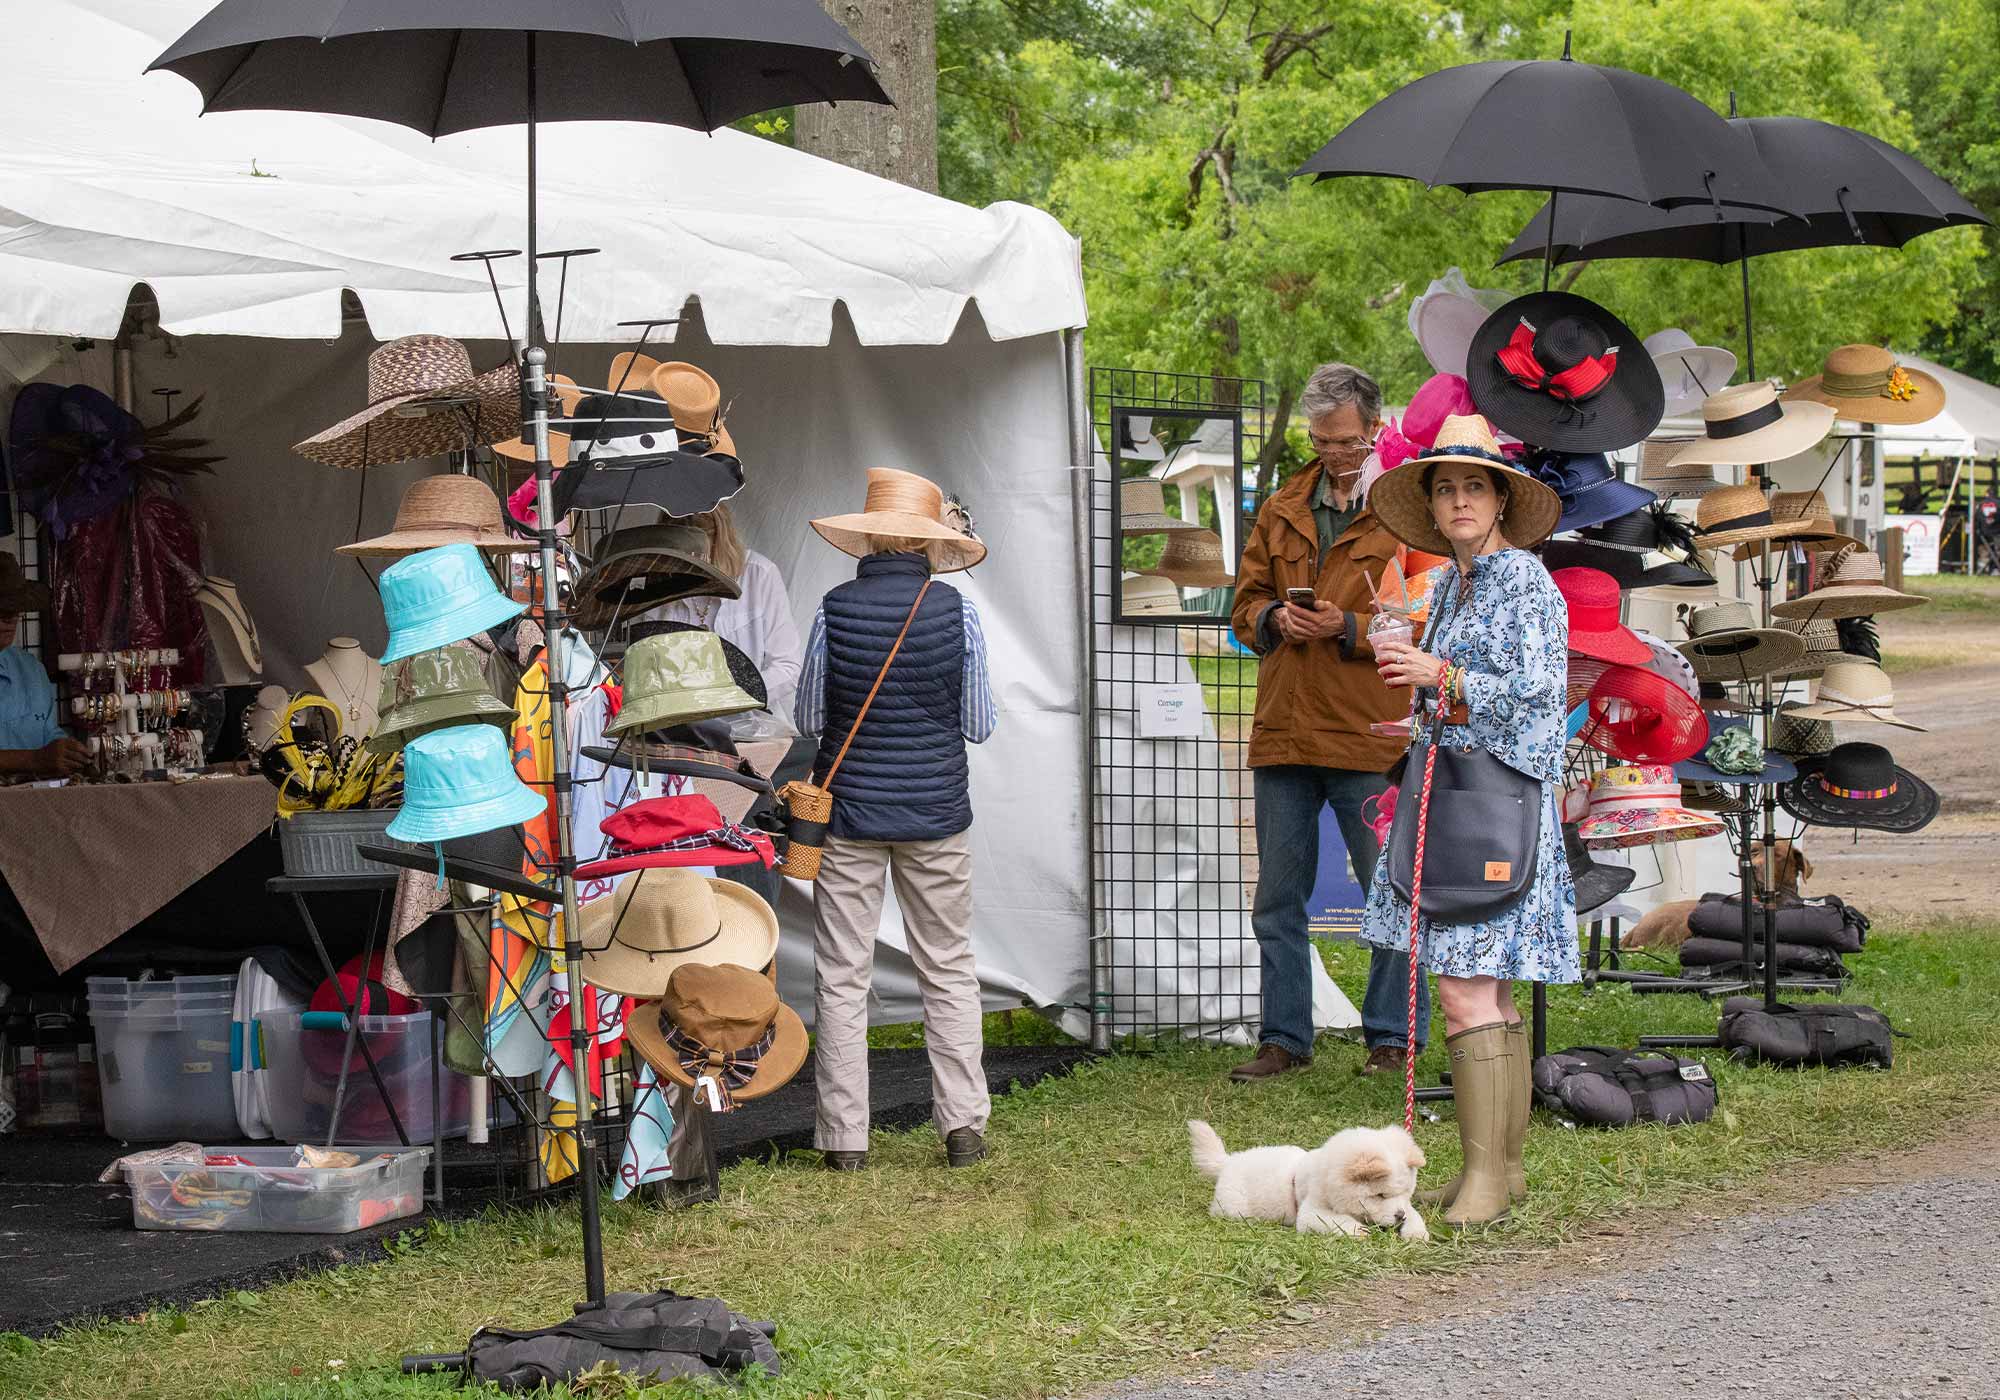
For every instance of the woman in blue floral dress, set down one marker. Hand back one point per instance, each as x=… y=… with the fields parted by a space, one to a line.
x=1497 y=647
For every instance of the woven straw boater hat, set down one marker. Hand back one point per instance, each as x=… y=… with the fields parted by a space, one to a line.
x=1193 y=559
x=1746 y=425
x=1864 y=384
x=423 y=401
x=1853 y=587
x=449 y=509
x=1398 y=499
x=1669 y=480
x=1726 y=644
x=904 y=505
x=1822 y=639
x=1855 y=689
x=1142 y=508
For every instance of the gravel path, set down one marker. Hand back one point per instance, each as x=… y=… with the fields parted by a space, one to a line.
x=1882 y=1293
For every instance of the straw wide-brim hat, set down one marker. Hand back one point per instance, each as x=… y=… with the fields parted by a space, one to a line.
x=1740 y=515
x=449 y=509
x=1726 y=644
x=1141 y=595
x=1142 y=508
x=1860 y=785
x=904 y=505
x=1822 y=639
x=1193 y=559
x=1669 y=480
x=423 y=401
x=721 y=1007
x=1856 y=690
x=1853 y=587
x=663 y=918
x=1865 y=384
x=1747 y=425
x=1399 y=501
x=18 y=592
x=1795 y=737
x=1803 y=516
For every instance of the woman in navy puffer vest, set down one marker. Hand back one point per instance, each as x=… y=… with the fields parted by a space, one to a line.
x=902 y=804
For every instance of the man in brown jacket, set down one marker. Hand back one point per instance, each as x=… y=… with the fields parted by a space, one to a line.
x=1317 y=693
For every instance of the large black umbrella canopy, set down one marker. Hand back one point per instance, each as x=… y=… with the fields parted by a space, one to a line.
x=1556 y=125
x=443 y=66
x=1846 y=186
x=1847 y=189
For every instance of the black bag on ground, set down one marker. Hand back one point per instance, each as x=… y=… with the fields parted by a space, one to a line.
x=649 y=1336
x=1609 y=1088
x=1806 y=1035
x=1825 y=922
x=1792 y=957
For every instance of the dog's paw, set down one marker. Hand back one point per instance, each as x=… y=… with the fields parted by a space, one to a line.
x=1413 y=1227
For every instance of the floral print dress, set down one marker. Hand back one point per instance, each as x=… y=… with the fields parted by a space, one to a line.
x=1511 y=634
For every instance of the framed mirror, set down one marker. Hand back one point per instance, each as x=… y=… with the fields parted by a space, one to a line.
x=1176 y=513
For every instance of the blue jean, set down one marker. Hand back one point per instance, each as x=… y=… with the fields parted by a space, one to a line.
x=1288 y=798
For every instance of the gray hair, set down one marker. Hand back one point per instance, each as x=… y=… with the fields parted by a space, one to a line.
x=1334 y=386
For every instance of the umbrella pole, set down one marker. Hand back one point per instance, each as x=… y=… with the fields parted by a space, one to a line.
x=582 y=1020
x=1749 y=334
x=1549 y=243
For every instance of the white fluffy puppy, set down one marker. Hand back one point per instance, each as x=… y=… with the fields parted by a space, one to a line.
x=1359 y=1177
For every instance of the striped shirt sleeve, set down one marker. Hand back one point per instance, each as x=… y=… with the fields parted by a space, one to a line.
x=809 y=710
x=978 y=712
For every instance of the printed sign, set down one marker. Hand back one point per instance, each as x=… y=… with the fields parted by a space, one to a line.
x=1171 y=712
x=1334 y=907
x=1920 y=541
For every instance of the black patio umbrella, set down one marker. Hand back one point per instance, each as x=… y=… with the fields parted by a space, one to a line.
x=443 y=66
x=1558 y=125
x=1845 y=187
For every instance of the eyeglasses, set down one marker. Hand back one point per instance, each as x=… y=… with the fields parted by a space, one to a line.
x=1344 y=447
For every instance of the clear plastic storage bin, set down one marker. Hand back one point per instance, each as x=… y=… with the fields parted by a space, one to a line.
x=262 y=1188
x=302 y=1054
x=164 y=1061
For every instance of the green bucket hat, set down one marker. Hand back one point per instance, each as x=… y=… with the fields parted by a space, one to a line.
x=678 y=678
x=434 y=690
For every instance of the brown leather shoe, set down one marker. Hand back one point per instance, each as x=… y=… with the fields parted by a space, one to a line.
x=1382 y=1059
x=1271 y=1061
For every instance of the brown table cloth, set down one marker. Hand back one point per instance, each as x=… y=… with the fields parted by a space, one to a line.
x=88 y=863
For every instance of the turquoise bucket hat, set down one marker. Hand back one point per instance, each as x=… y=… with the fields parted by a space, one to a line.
x=439 y=596
x=461 y=782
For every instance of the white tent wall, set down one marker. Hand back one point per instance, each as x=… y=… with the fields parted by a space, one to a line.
x=986 y=419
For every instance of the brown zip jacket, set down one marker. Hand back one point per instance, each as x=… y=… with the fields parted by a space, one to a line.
x=1315 y=700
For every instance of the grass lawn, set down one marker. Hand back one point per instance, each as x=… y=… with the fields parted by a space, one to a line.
x=1081 y=1251
x=1228 y=683
x=1957 y=593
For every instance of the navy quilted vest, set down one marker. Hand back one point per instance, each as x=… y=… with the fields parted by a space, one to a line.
x=904 y=777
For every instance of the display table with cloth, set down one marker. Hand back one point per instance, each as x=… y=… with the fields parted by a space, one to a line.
x=88 y=863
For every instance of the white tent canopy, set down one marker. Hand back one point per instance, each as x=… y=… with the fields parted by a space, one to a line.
x=947 y=359
x=252 y=223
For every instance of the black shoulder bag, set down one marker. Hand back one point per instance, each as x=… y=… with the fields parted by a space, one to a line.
x=1482 y=833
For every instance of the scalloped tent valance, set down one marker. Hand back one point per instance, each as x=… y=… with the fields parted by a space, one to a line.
x=255 y=223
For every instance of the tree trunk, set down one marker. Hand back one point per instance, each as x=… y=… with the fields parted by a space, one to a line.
x=898 y=143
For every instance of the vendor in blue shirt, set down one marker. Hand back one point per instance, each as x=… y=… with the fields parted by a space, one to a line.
x=32 y=744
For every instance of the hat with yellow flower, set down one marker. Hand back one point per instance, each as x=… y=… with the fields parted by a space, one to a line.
x=1866 y=384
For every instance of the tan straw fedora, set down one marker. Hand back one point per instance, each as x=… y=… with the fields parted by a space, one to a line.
x=1851 y=587
x=695 y=400
x=722 y=1024
x=1864 y=384
x=423 y=401
x=1670 y=481
x=1149 y=595
x=1193 y=559
x=437 y=510
x=665 y=918
x=1726 y=644
x=1735 y=515
x=1822 y=641
x=1399 y=501
x=1142 y=508
x=902 y=505
x=1747 y=424
x=1802 y=516
x=1856 y=689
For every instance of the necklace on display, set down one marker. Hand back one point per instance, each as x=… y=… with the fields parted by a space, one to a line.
x=350 y=703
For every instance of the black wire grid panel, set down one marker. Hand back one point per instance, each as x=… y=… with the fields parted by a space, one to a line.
x=1174 y=840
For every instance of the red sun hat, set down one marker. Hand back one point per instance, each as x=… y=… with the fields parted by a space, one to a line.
x=1637 y=716
x=1594 y=628
x=673 y=832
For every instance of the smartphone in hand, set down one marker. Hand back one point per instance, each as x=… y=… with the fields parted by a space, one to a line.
x=1300 y=598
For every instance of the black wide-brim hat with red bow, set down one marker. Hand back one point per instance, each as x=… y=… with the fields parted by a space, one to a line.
x=1557 y=370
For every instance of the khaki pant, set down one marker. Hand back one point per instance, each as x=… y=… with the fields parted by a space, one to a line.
x=934 y=888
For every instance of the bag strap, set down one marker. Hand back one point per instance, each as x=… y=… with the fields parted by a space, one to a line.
x=881 y=676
